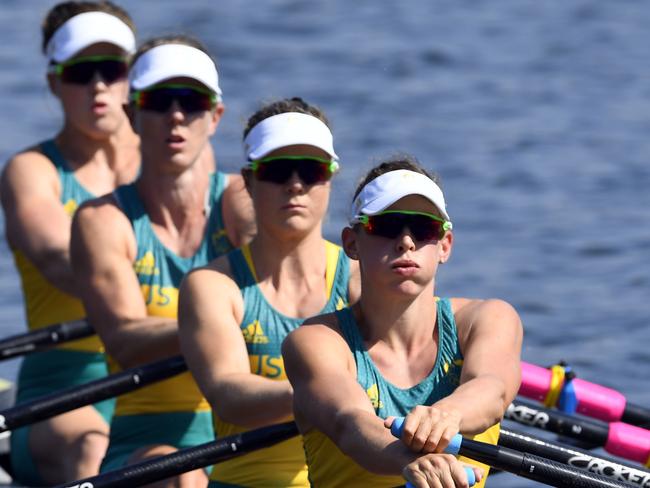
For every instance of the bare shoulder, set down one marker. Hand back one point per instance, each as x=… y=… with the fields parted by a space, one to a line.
x=215 y=274
x=321 y=333
x=101 y=214
x=490 y=313
x=99 y=224
x=28 y=169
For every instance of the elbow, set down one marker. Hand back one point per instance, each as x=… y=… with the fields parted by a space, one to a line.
x=120 y=352
x=226 y=413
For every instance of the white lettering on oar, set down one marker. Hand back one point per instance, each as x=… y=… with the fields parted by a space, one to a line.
x=528 y=416
x=3 y=425
x=85 y=484
x=233 y=446
x=611 y=470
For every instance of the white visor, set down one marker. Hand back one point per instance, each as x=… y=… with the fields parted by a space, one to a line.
x=386 y=189
x=85 y=29
x=288 y=129
x=174 y=61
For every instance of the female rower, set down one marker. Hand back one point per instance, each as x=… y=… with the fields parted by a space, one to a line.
x=235 y=312
x=449 y=365
x=87 y=45
x=131 y=249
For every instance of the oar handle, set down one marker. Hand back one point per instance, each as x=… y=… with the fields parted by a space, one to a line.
x=453 y=448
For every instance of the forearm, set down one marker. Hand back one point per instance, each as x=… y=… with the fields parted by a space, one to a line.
x=251 y=401
x=363 y=437
x=480 y=402
x=142 y=341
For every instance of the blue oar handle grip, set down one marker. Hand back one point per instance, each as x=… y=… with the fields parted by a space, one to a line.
x=453 y=448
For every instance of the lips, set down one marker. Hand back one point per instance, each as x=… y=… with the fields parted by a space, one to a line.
x=99 y=107
x=175 y=139
x=292 y=206
x=404 y=264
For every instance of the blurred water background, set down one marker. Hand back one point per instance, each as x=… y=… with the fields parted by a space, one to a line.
x=535 y=114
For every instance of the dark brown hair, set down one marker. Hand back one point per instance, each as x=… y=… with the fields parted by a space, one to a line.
x=63 y=11
x=393 y=163
x=295 y=104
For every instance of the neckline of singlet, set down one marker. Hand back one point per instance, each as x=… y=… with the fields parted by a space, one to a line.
x=145 y=215
x=442 y=338
x=331 y=257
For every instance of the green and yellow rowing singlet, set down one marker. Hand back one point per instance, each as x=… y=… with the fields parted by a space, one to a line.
x=160 y=272
x=45 y=304
x=264 y=329
x=328 y=466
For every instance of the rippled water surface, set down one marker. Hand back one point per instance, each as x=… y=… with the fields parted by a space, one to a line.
x=536 y=115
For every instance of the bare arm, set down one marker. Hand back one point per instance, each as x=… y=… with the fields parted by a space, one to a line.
x=490 y=334
x=103 y=251
x=238 y=213
x=327 y=397
x=210 y=311
x=36 y=222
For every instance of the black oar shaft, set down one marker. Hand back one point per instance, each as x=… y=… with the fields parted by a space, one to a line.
x=189 y=459
x=89 y=393
x=636 y=415
x=577 y=458
x=21 y=344
x=534 y=467
x=528 y=413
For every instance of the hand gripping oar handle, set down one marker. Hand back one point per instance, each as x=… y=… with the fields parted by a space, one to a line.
x=21 y=344
x=117 y=384
x=533 y=467
x=454 y=445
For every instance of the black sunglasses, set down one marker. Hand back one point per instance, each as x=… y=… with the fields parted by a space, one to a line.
x=80 y=71
x=160 y=98
x=279 y=169
x=390 y=224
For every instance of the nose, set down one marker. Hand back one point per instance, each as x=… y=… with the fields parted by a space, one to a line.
x=98 y=82
x=405 y=241
x=294 y=184
x=175 y=112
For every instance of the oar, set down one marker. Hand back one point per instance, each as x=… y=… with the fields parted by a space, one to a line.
x=558 y=387
x=578 y=458
x=189 y=459
x=79 y=396
x=618 y=438
x=522 y=464
x=21 y=344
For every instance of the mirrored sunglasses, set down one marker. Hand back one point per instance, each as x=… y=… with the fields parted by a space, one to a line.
x=160 y=98
x=390 y=224
x=279 y=169
x=80 y=71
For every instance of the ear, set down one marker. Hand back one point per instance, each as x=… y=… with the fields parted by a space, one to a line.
x=349 y=240
x=446 y=243
x=217 y=113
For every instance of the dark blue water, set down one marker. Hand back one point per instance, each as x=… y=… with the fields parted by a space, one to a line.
x=536 y=115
